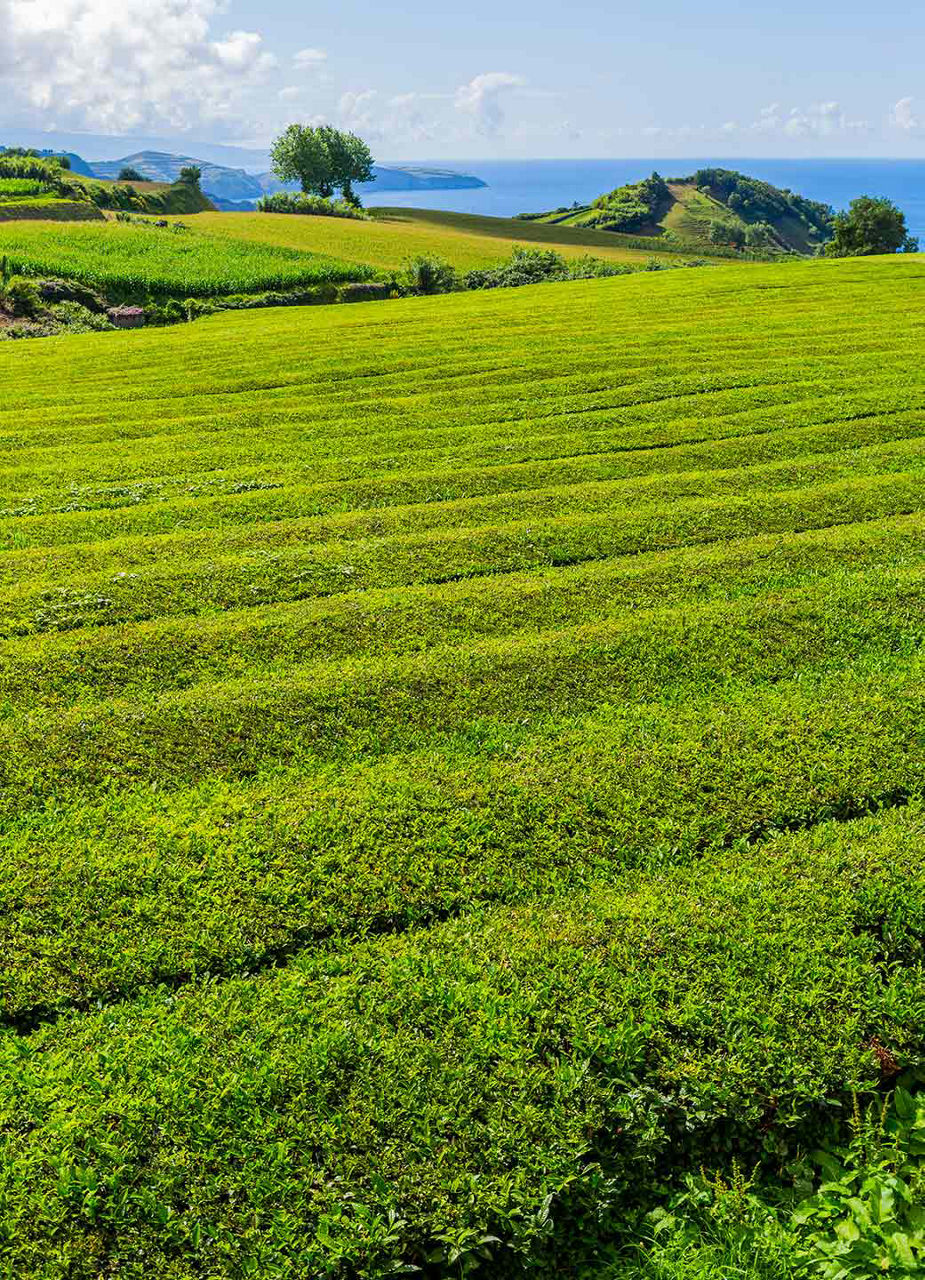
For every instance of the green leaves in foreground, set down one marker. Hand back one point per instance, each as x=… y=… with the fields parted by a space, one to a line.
x=518 y=1073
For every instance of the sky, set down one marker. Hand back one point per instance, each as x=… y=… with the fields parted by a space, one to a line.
x=477 y=79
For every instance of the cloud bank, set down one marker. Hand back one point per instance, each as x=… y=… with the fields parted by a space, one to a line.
x=130 y=65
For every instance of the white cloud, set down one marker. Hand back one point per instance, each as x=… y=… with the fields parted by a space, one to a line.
x=822 y=120
x=903 y=116
x=95 y=64
x=308 y=59
x=483 y=96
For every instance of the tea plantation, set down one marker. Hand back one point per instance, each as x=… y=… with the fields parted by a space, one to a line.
x=461 y=767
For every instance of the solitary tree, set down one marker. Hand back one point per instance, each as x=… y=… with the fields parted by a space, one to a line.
x=871 y=225
x=129 y=174
x=300 y=154
x=351 y=161
x=191 y=174
x=321 y=160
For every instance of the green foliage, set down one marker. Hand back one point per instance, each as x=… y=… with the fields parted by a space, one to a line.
x=129 y=174
x=11 y=188
x=322 y=159
x=870 y=226
x=868 y=1216
x=461 y=770
x=856 y=1210
x=528 y=265
x=755 y=201
x=20 y=297
x=190 y=175
x=77 y=318
x=350 y=161
x=632 y=206
x=137 y=261
x=299 y=202
x=428 y=274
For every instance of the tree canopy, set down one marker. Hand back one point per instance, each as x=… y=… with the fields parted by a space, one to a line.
x=322 y=159
x=871 y=225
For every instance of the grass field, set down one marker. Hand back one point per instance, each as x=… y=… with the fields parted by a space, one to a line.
x=459 y=757
x=140 y=261
x=394 y=235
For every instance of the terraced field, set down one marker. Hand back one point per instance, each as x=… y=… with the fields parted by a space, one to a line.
x=454 y=753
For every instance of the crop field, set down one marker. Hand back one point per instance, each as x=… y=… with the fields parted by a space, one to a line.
x=140 y=260
x=455 y=753
x=394 y=235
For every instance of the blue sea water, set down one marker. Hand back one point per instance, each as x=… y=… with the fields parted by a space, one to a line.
x=529 y=186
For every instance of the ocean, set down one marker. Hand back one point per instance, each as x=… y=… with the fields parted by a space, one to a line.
x=530 y=186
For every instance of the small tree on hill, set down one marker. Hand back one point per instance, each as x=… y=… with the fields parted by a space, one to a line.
x=351 y=161
x=129 y=174
x=321 y=160
x=191 y=174
x=871 y=225
x=300 y=155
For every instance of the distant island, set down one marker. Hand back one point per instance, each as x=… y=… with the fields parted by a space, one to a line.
x=717 y=207
x=236 y=189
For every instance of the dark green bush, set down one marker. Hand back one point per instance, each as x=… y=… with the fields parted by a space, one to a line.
x=428 y=274
x=369 y=292
x=301 y=202
x=19 y=296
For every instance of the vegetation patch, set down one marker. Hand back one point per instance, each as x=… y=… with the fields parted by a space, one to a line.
x=462 y=779
x=137 y=261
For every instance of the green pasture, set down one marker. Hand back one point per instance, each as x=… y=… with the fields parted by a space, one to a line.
x=461 y=764
x=394 y=235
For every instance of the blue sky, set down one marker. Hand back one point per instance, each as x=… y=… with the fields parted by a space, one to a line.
x=477 y=79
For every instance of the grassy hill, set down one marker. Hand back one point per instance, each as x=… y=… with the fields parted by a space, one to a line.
x=715 y=207
x=394 y=235
x=72 y=196
x=462 y=766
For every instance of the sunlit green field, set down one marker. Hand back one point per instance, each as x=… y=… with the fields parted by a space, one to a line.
x=145 y=260
x=394 y=235
x=461 y=759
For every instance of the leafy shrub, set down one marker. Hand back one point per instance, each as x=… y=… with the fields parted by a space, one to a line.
x=11 y=188
x=868 y=1216
x=428 y=274
x=129 y=174
x=71 y=291
x=301 y=202
x=528 y=265
x=77 y=318
x=372 y=292
x=861 y=1215
x=20 y=297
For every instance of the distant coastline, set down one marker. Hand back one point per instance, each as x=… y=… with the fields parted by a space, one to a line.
x=527 y=186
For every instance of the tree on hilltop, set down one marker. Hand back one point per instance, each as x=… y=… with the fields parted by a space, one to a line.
x=130 y=174
x=191 y=174
x=871 y=225
x=322 y=159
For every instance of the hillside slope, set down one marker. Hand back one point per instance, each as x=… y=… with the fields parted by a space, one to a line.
x=715 y=207
x=461 y=766
x=394 y=235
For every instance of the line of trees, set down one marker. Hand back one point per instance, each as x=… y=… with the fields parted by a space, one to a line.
x=323 y=160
